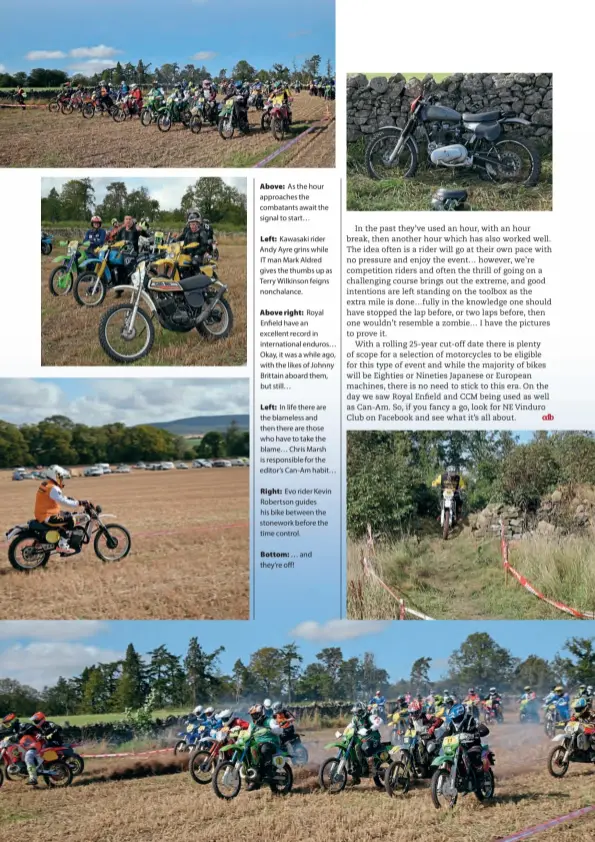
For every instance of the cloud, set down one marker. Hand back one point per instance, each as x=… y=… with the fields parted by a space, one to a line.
x=51 y=630
x=335 y=630
x=41 y=663
x=300 y=33
x=205 y=55
x=94 y=65
x=2 y=68
x=34 y=55
x=100 y=51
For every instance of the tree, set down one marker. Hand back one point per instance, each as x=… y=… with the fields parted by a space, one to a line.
x=291 y=667
x=311 y=66
x=371 y=676
x=51 y=206
x=211 y=446
x=579 y=668
x=243 y=71
x=77 y=198
x=166 y=677
x=331 y=659
x=534 y=672
x=62 y=699
x=18 y=698
x=115 y=203
x=13 y=447
x=481 y=661
x=199 y=667
x=267 y=665
x=131 y=686
x=420 y=675
x=93 y=700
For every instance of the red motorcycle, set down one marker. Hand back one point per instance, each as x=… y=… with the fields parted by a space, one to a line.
x=59 y=103
x=54 y=771
x=203 y=761
x=280 y=117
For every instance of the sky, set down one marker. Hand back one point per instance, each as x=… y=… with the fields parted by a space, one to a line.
x=79 y=38
x=167 y=190
x=38 y=652
x=131 y=401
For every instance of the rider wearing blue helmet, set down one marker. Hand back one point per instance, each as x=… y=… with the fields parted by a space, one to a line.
x=461 y=721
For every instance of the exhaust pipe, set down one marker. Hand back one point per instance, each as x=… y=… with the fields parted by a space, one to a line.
x=207 y=312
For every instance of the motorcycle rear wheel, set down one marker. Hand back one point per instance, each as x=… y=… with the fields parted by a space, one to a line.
x=555 y=767
x=54 y=281
x=517 y=143
x=118 y=115
x=41 y=557
x=122 y=545
x=88 y=110
x=265 y=122
x=378 y=150
x=93 y=290
x=283 y=781
x=67 y=108
x=108 y=344
x=219 y=324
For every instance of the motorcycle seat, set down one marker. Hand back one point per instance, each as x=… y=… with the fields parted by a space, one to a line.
x=482 y=117
x=442 y=195
x=37 y=526
x=195 y=282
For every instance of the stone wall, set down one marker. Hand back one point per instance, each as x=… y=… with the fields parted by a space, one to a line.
x=557 y=514
x=386 y=101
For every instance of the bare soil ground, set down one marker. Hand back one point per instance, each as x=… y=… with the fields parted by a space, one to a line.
x=189 y=557
x=36 y=138
x=104 y=803
x=69 y=332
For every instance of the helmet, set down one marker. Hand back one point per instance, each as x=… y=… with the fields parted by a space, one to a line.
x=358 y=709
x=206 y=83
x=527 y=689
x=401 y=699
x=457 y=713
x=38 y=718
x=226 y=716
x=267 y=704
x=415 y=709
x=492 y=689
x=193 y=217
x=277 y=707
x=257 y=713
x=197 y=710
x=471 y=690
x=580 y=705
x=590 y=690
x=377 y=692
x=448 y=700
x=438 y=700
x=192 y=212
x=206 y=223
x=559 y=690
x=238 y=85
x=95 y=219
x=57 y=475
x=582 y=688
x=278 y=85
x=209 y=711
x=9 y=718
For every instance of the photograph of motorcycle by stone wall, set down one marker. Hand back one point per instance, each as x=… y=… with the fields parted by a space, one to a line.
x=125 y=499
x=467 y=525
x=449 y=141
x=144 y=271
x=324 y=726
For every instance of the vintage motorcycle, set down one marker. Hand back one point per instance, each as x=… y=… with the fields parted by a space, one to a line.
x=228 y=120
x=47 y=241
x=455 y=774
x=32 y=543
x=204 y=760
x=448 y=512
x=280 y=119
x=53 y=769
x=412 y=759
x=229 y=773
x=127 y=332
x=111 y=266
x=455 y=141
x=335 y=771
x=69 y=265
x=575 y=745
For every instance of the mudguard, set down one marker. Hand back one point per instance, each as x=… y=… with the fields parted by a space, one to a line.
x=145 y=297
x=93 y=261
x=336 y=745
x=520 y=120
x=441 y=759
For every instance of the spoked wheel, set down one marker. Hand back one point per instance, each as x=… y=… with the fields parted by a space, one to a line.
x=219 y=324
x=89 y=290
x=278 y=129
x=201 y=767
x=195 y=124
x=61 y=774
x=67 y=108
x=118 y=115
x=299 y=755
x=226 y=127
x=46 y=248
x=443 y=795
x=379 y=775
x=164 y=123
x=555 y=762
x=333 y=775
x=88 y=110
x=76 y=765
x=60 y=281
x=378 y=157
x=519 y=162
x=123 y=341
x=112 y=543
x=486 y=786
x=54 y=107
x=25 y=554
x=181 y=747
x=265 y=122
x=446 y=525
x=282 y=781
x=227 y=781
x=146 y=117
x=397 y=779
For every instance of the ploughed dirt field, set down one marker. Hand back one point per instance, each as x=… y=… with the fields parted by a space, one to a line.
x=189 y=557
x=37 y=138
x=104 y=803
x=70 y=333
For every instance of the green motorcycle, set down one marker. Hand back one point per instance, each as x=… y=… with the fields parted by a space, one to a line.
x=455 y=774
x=239 y=762
x=350 y=761
x=174 y=112
x=62 y=278
x=153 y=109
x=412 y=759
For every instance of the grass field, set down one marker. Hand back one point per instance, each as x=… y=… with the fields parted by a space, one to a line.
x=106 y=803
x=36 y=138
x=69 y=333
x=407 y=194
x=463 y=578
x=189 y=556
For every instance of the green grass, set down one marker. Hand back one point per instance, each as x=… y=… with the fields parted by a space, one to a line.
x=365 y=194
x=93 y=718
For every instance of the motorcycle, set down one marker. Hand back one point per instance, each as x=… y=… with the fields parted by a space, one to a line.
x=265 y=119
x=575 y=745
x=334 y=772
x=54 y=771
x=455 y=774
x=410 y=760
x=229 y=774
x=528 y=711
x=127 y=332
x=46 y=243
x=175 y=111
x=96 y=106
x=228 y=120
x=189 y=738
x=112 y=265
x=62 y=277
x=448 y=512
x=57 y=105
x=204 y=760
x=399 y=720
x=455 y=141
x=150 y=113
x=492 y=713
x=32 y=543
x=280 y=119
x=555 y=718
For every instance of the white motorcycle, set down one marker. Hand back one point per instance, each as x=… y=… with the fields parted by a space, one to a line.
x=448 y=512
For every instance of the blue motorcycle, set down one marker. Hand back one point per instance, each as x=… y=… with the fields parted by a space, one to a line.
x=189 y=739
x=111 y=266
x=47 y=241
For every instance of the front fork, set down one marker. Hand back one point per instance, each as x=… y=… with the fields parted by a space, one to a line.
x=400 y=143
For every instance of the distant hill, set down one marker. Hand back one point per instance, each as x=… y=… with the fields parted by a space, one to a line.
x=203 y=424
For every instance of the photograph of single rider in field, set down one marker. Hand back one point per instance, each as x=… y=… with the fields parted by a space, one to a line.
x=454 y=524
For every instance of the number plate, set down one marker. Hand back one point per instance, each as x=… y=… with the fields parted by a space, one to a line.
x=451 y=741
x=279 y=761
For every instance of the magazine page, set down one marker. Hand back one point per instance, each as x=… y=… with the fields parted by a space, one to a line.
x=297 y=468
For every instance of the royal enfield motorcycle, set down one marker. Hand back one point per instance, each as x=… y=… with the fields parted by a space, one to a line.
x=456 y=142
x=575 y=745
x=32 y=543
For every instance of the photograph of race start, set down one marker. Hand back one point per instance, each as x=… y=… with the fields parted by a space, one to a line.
x=183 y=86
x=470 y=524
x=146 y=271
x=327 y=724
x=125 y=499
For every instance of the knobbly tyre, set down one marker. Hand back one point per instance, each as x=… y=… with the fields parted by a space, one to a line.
x=62 y=278
x=204 y=760
x=228 y=120
x=127 y=331
x=46 y=243
x=229 y=774
x=111 y=267
x=455 y=141
x=575 y=745
x=455 y=774
x=412 y=759
x=32 y=543
x=54 y=771
x=335 y=771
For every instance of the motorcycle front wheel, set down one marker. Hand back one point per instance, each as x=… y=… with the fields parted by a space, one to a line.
x=397 y=779
x=219 y=324
x=88 y=110
x=146 y=117
x=519 y=162
x=330 y=778
x=446 y=525
x=164 y=123
x=440 y=780
x=195 y=124
x=226 y=781
x=25 y=554
x=226 y=128
x=278 y=129
x=124 y=342
x=379 y=150
x=46 y=248
x=181 y=747
x=89 y=290
x=201 y=767
x=118 y=115
x=112 y=542
x=54 y=107
x=60 y=281
x=555 y=762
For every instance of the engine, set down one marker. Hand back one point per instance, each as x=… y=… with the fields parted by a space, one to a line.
x=453 y=155
x=76 y=538
x=174 y=312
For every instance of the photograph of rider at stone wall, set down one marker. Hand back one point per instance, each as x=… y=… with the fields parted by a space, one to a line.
x=449 y=141
x=465 y=525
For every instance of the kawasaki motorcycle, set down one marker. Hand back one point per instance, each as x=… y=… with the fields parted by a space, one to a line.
x=455 y=774
x=63 y=276
x=240 y=763
x=410 y=760
x=456 y=142
x=127 y=331
x=228 y=120
x=575 y=745
x=351 y=761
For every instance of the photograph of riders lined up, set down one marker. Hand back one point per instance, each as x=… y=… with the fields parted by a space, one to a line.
x=466 y=525
x=143 y=271
x=193 y=84
x=449 y=141
x=125 y=499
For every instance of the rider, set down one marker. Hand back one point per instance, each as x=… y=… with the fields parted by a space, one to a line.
x=198 y=715
x=240 y=102
x=9 y=726
x=104 y=96
x=230 y=720
x=450 y=480
x=472 y=698
x=137 y=96
x=49 y=499
x=363 y=720
x=33 y=740
x=95 y=236
x=20 y=96
x=266 y=733
x=582 y=711
x=461 y=721
x=286 y=720
x=281 y=95
x=378 y=699
x=130 y=232
x=528 y=695
x=194 y=233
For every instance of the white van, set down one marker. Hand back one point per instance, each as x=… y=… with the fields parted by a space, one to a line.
x=104 y=467
x=168 y=466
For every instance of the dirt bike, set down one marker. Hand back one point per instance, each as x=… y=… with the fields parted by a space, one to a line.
x=229 y=774
x=265 y=119
x=204 y=760
x=174 y=112
x=57 y=105
x=448 y=512
x=207 y=110
x=46 y=243
x=189 y=738
x=280 y=119
x=528 y=711
x=492 y=713
x=455 y=774
x=54 y=771
x=228 y=120
x=32 y=543
x=399 y=722
x=455 y=141
x=127 y=332
x=575 y=745
x=111 y=266
x=96 y=106
x=350 y=761
x=63 y=276
x=410 y=760
x=151 y=112
x=553 y=719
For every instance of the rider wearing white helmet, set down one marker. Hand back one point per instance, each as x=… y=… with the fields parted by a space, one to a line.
x=49 y=500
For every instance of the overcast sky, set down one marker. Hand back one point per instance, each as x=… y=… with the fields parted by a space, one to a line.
x=132 y=401
x=167 y=190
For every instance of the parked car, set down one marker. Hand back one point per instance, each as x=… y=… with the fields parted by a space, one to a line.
x=19 y=475
x=167 y=466
x=201 y=463
x=104 y=467
x=95 y=471
x=238 y=463
x=122 y=469
x=221 y=463
x=181 y=466
x=141 y=466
